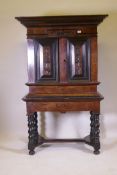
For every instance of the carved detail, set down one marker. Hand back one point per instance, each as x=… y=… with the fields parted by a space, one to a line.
x=94 y=133
x=79 y=58
x=45 y=58
x=33 y=132
x=36 y=128
x=92 y=128
x=61 y=32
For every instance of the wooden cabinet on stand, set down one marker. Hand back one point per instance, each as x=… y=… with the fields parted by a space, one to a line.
x=62 y=71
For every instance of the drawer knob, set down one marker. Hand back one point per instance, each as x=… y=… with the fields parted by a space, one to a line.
x=79 y=31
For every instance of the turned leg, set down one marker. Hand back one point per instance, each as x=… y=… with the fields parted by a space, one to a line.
x=36 y=128
x=33 y=132
x=94 y=133
x=92 y=128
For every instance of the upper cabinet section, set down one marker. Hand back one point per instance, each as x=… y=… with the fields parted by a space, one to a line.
x=62 y=49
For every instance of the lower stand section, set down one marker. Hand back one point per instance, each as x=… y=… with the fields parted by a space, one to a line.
x=36 y=140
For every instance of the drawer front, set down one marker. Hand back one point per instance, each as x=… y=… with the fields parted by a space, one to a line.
x=62 y=89
x=63 y=106
x=61 y=32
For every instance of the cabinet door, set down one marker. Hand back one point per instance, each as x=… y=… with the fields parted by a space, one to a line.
x=78 y=54
x=46 y=59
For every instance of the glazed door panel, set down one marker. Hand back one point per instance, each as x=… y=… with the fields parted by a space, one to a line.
x=46 y=59
x=78 y=51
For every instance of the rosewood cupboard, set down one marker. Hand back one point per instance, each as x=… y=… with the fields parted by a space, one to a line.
x=62 y=71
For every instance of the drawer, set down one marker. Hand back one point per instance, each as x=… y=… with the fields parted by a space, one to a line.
x=62 y=32
x=63 y=106
x=62 y=89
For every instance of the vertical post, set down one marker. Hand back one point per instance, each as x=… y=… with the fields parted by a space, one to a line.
x=94 y=133
x=36 y=128
x=33 y=132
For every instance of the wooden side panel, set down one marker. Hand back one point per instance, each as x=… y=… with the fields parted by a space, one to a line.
x=94 y=59
x=78 y=51
x=46 y=59
x=31 y=61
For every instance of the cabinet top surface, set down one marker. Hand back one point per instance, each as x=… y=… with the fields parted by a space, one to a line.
x=40 y=21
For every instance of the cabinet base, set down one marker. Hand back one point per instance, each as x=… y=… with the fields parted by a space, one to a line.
x=36 y=140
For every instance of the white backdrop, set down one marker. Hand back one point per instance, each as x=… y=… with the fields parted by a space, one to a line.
x=13 y=64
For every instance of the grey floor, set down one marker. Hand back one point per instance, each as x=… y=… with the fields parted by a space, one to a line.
x=57 y=159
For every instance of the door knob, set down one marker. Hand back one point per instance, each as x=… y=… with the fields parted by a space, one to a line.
x=79 y=31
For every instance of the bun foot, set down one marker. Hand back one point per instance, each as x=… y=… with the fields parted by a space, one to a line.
x=31 y=152
x=96 y=152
